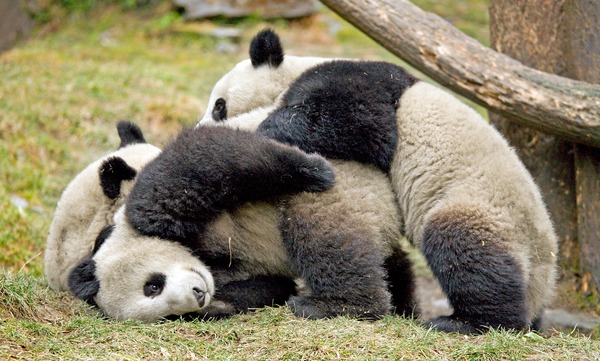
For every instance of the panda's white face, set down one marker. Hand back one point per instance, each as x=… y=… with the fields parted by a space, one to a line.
x=247 y=88
x=148 y=278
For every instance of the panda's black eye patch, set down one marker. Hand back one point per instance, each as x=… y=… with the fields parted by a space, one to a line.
x=155 y=284
x=219 y=112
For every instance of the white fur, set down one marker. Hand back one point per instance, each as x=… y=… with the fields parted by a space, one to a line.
x=124 y=263
x=257 y=87
x=83 y=211
x=245 y=121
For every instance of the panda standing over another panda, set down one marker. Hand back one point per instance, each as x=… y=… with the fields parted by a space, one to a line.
x=224 y=220
x=467 y=201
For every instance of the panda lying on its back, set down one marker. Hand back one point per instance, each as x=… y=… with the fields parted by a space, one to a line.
x=90 y=201
x=468 y=202
x=240 y=204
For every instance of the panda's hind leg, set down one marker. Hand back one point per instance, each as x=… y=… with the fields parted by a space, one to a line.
x=401 y=283
x=338 y=260
x=482 y=279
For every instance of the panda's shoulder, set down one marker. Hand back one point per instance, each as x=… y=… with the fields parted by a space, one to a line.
x=338 y=74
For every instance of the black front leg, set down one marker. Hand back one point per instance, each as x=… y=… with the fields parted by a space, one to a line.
x=257 y=292
x=338 y=259
x=244 y=295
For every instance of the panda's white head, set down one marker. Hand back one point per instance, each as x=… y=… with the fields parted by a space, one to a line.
x=257 y=82
x=89 y=202
x=144 y=278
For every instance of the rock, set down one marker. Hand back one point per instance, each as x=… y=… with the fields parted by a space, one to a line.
x=195 y=9
x=15 y=24
x=234 y=34
x=18 y=202
x=431 y=299
x=566 y=321
x=224 y=47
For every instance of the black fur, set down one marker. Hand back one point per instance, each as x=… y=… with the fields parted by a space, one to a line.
x=83 y=282
x=483 y=282
x=129 y=133
x=344 y=110
x=244 y=296
x=259 y=291
x=339 y=262
x=401 y=283
x=208 y=170
x=155 y=284
x=112 y=172
x=219 y=112
x=537 y=323
x=347 y=110
x=102 y=236
x=265 y=48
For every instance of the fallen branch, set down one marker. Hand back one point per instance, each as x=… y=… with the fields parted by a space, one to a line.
x=547 y=102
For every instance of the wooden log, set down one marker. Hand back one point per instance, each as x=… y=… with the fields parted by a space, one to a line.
x=547 y=102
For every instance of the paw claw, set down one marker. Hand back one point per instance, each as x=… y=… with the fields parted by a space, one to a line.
x=450 y=324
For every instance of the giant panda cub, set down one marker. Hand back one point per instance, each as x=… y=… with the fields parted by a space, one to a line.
x=468 y=202
x=244 y=216
x=89 y=202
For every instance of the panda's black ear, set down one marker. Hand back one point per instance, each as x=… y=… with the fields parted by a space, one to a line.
x=83 y=282
x=112 y=172
x=102 y=236
x=129 y=133
x=265 y=48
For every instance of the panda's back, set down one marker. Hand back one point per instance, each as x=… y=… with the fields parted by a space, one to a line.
x=362 y=201
x=448 y=153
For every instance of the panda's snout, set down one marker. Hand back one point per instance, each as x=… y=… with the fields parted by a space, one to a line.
x=199 y=295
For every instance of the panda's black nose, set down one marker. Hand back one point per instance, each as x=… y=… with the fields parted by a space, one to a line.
x=199 y=295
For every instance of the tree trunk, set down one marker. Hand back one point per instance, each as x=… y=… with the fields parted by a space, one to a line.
x=531 y=31
x=557 y=36
x=583 y=60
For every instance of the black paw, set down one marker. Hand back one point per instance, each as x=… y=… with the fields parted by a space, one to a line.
x=215 y=310
x=318 y=174
x=314 y=308
x=450 y=324
x=306 y=308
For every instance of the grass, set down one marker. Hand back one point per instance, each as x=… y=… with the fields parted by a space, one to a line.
x=41 y=324
x=61 y=94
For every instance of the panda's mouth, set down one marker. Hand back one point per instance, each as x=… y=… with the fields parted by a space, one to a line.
x=207 y=282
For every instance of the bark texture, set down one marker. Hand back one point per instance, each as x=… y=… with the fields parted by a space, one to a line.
x=532 y=32
x=583 y=62
x=544 y=101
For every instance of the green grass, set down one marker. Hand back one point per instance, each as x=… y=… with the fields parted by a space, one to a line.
x=41 y=324
x=61 y=94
